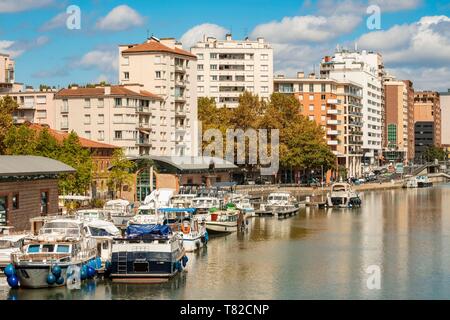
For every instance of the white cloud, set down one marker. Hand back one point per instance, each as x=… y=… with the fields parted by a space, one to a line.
x=195 y=34
x=8 y=6
x=17 y=48
x=104 y=60
x=437 y=79
x=359 y=7
x=425 y=43
x=397 y=5
x=56 y=22
x=307 y=28
x=120 y=18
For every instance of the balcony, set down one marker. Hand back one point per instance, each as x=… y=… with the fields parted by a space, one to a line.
x=355 y=142
x=180 y=99
x=180 y=113
x=143 y=110
x=333 y=101
x=180 y=129
x=144 y=126
x=355 y=124
x=333 y=122
x=144 y=142
x=180 y=68
x=333 y=132
x=332 y=142
x=181 y=83
x=333 y=111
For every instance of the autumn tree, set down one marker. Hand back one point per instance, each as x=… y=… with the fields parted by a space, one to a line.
x=7 y=107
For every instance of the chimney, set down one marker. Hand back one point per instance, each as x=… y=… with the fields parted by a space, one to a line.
x=261 y=40
x=74 y=87
x=300 y=75
x=228 y=37
x=312 y=75
x=107 y=90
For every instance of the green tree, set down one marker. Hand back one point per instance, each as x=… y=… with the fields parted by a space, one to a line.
x=20 y=141
x=432 y=153
x=7 y=107
x=47 y=146
x=74 y=155
x=120 y=173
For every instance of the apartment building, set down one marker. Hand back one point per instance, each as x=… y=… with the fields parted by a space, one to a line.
x=445 y=115
x=164 y=68
x=226 y=68
x=399 y=120
x=367 y=70
x=115 y=115
x=7 y=74
x=427 y=121
x=336 y=107
x=34 y=106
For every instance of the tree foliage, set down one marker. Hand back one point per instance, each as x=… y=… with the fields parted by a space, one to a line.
x=7 y=107
x=23 y=140
x=432 y=153
x=302 y=142
x=120 y=174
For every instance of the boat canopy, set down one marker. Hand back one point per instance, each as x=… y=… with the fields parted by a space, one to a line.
x=178 y=210
x=145 y=230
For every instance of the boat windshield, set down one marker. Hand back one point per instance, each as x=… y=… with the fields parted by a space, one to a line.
x=339 y=189
x=66 y=228
x=146 y=212
x=278 y=198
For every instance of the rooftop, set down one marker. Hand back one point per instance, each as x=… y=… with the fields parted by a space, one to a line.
x=17 y=166
x=61 y=135
x=155 y=46
x=101 y=92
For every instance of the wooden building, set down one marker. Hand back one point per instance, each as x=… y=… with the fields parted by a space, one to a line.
x=28 y=189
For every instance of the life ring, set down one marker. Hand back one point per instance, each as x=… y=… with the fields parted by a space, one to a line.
x=186 y=229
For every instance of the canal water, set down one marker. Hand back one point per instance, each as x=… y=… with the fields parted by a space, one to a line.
x=319 y=254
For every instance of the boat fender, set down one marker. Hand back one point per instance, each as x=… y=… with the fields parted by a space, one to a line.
x=51 y=280
x=90 y=272
x=206 y=236
x=185 y=261
x=99 y=263
x=56 y=270
x=9 y=270
x=13 y=281
x=179 y=266
x=60 y=281
x=83 y=274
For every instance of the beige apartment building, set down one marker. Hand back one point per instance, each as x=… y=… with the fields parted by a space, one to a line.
x=336 y=107
x=165 y=69
x=116 y=115
x=226 y=68
x=7 y=74
x=445 y=115
x=399 y=120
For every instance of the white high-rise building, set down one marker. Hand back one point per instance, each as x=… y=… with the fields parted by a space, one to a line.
x=366 y=69
x=227 y=68
x=162 y=67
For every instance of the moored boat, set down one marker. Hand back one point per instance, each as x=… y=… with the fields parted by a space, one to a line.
x=120 y=210
x=147 y=251
x=279 y=204
x=343 y=196
x=223 y=221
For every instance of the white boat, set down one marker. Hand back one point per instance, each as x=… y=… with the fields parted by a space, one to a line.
x=343 y=196
x=147 y=251
x=243 y=203
x=204 y=204
x=103 y=232
x=181 y=201
x=120 y=211
x=94 y=214
x=192 y=230
x=280 y=203
x=10 y=244
x=418 y=182
x=223 y=221
x=60 y=245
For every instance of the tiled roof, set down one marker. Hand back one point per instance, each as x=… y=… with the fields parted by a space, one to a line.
x=100 y=92
x=155 y=46
x=61 y=135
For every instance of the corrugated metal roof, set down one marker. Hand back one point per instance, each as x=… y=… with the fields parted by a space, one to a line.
x=11 y=166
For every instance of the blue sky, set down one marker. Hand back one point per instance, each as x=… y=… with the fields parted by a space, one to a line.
x=414 y=37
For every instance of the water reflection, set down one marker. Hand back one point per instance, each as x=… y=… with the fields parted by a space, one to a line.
x=319 y=254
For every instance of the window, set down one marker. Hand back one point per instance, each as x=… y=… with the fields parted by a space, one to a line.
x=200 y=56
x=65 y=106
x=3 y=210
x=158 y=74
x=323 y=88
x=200 y=67
x=200 y=78
x=41 y=99
x=63 y=248
x=101 y=135
x=213 y=78
x=118 y=135
x=323 y=107
x=126 y=75
x=101 y=119
x=264 y=89
x=264 y=57
x=323 y=97
x=201 y=89
x=101 y=102
x=213 y=67
x=311 y=97
x=44 y=202
x=48 y=248
x=311 y=107
x=311 y=88
x=118 y=102
x=34 y=248
x=311 y=118
x=87 y=103
x=87 y=135
x=213 y=55
x=264 y=68
x=87 y=119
